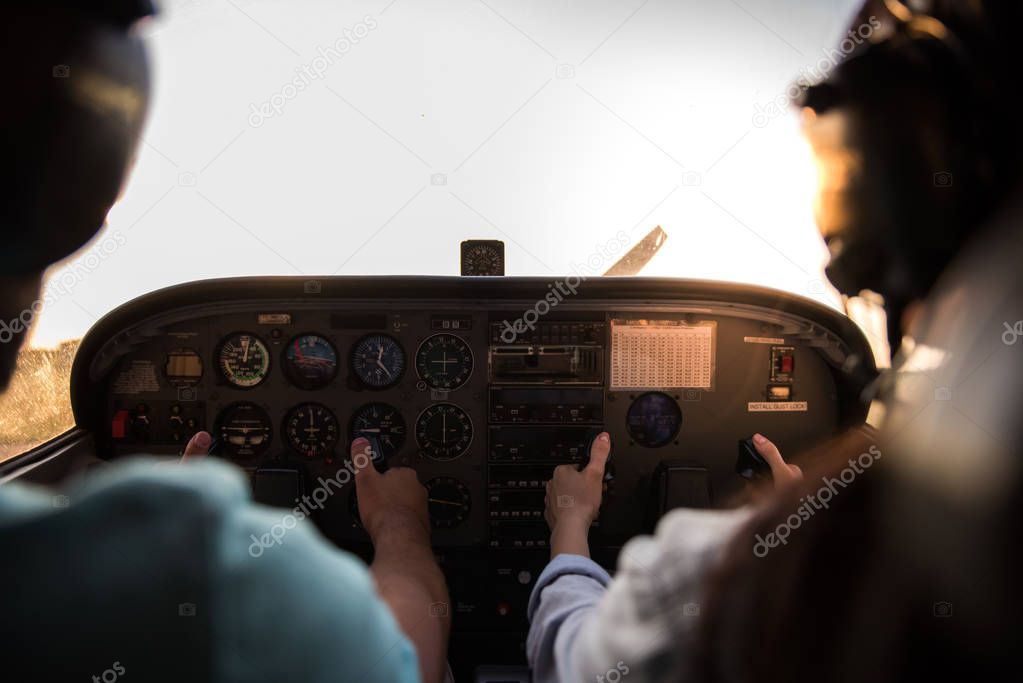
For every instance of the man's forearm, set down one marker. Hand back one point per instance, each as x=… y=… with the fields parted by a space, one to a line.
x=411 y=583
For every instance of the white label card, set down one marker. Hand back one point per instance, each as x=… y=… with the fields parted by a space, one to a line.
x=778 y=407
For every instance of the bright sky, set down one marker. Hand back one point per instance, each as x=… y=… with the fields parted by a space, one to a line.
x=549 y=125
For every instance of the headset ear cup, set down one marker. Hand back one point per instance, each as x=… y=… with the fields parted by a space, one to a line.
x=74 y=134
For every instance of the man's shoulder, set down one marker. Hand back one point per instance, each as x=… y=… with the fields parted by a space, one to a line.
x=154 y=483
x=127 y=493
x=178 y=549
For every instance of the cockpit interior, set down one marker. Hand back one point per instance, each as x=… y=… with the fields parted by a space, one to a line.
x=482 y=384
x=482 y=296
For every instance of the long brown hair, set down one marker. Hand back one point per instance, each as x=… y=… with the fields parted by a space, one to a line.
x=888 y=583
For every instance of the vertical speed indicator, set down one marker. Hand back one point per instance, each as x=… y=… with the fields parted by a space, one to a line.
x=383 y=422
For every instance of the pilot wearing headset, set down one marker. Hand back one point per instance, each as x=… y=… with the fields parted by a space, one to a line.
x=149 y=573
x=912 y=570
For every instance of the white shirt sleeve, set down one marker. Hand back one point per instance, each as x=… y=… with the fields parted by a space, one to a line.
x=583 y=627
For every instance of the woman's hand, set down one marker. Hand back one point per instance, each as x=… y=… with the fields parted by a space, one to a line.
x=573 y=500
x=782 y=472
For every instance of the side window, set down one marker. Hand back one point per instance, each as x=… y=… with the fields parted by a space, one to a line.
x=37 y=405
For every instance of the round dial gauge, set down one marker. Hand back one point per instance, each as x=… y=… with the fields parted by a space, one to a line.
x=183 y=368
x=449 y=502
x=443 y=431
x=243 y=360
x=244 y=429
x=382 y=421
x=378 y=361
x=654 y=419
x=310 y=361
x=311 y=430
x=483 y=259
x=444 y=361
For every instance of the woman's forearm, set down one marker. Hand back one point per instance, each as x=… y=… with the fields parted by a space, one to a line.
x=569 y=537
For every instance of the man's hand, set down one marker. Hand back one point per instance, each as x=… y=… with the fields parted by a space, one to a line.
x=394 y=513
x=573 y=500
x=391 y=502
x=197 y=447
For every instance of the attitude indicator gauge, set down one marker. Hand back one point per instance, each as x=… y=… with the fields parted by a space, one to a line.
x=310 y=361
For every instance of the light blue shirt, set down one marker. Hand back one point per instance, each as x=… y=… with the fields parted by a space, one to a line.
x=149 y=572
x=639 y=626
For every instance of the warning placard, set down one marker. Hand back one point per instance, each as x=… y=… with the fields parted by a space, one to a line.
x=777 y=407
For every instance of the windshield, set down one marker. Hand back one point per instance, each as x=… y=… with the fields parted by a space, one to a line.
x=371 y=138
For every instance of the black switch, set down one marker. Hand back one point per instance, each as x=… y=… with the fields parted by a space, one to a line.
x=750 y=465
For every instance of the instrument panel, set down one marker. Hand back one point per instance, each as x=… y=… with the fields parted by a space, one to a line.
x=483 y=387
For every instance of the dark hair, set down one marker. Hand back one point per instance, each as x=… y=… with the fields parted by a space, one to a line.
x=890 y=583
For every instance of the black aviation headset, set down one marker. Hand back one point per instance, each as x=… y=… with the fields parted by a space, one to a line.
x=78 y=90
x=932 y=102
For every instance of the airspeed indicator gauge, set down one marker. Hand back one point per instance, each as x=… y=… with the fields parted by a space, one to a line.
x=243 y=360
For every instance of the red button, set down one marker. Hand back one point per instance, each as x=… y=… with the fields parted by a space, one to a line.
x=119 y=425
x=786 y=364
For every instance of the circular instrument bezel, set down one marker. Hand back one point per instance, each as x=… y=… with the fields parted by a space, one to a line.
x=222 y=369
x=643 y=439
x=395 y=379
x=483 y=260
x=457 y=342
x=291 y=373
x=397 y=442
x=323 y=450
x=235 y=452
x=433 y=453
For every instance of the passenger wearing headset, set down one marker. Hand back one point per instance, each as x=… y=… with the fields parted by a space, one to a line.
x=149 y=572
x=913 y=571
